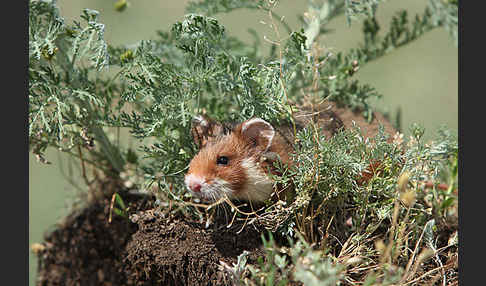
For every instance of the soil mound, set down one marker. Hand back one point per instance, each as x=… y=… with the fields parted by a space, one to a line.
x=86 y=249
x=148 y=249
x=176 y=251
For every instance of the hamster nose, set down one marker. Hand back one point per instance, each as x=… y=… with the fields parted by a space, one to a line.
x=195 y=187
x=194 y=183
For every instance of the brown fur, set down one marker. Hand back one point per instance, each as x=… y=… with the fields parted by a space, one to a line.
x=204 y=163
x=237 y=146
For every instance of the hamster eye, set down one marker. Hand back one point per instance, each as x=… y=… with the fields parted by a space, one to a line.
x=222 y=160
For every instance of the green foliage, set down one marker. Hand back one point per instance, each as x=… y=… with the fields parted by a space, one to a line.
x=83 y=91
x=272 y=269
x=193 y=67
x=300 y=262
x=446 y=14
x=354 y=8
x=67 y=104
x=318 y=15
x=311 y=268
x=209 y=7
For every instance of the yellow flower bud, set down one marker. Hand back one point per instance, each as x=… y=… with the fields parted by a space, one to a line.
x=121 y=5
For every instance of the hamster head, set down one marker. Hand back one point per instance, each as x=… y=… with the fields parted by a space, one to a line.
x=229 y=160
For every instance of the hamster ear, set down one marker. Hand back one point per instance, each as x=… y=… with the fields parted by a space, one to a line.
x=259 y=131
x=203 y=128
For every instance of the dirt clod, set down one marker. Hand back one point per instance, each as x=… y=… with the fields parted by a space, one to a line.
x=86 y=249
x=175 y=251
x=147 y=249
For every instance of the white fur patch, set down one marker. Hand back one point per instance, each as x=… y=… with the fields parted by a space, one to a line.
x=258 y=187
x=212 y=192
x=218 y=189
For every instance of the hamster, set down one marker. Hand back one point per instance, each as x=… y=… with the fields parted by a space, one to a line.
x=235 y=159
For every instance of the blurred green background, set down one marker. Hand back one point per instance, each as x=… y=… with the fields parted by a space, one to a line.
x=421 y=79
